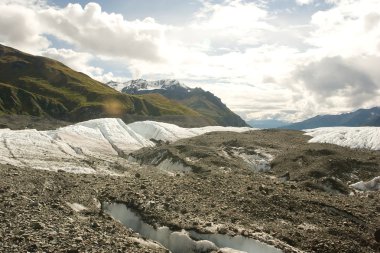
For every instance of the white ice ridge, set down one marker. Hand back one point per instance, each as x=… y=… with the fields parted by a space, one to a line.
x=89 y=146
x=353 y=137
x=371 y=185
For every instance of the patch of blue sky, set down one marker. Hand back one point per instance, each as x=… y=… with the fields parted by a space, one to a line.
x=57 y=43
x=116 y=68
x=295 y=13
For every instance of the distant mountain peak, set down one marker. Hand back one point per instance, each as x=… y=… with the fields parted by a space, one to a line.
x=142 y=84
x=360 y=117
x=199 y=100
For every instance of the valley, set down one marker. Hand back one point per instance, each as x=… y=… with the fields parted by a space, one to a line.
x=200 y=126
x=268 y=185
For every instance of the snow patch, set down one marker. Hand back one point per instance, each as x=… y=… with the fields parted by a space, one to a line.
x=146 y=243
x=371 y=185
x=352 y=137
x=174 y=167
x=258 y=160
x=76 y=207
x=169 y=132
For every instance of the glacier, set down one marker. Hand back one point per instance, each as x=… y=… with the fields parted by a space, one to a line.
x=96 y=145
x=90 y=146
x=352 y=137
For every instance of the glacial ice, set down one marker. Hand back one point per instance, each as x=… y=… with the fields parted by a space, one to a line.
x=352 y=137
x=90 y=146
x=371 y=185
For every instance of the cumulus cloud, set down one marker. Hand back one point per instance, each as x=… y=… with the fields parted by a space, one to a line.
x=339 y=80
x=27 y=3
x=87 y=28
x=20 y=28
x=304 y=2
x=229 y=23
x=76 y=60
x=104 y=33
x=348 y=29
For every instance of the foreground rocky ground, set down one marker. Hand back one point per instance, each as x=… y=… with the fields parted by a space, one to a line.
x=303 y=202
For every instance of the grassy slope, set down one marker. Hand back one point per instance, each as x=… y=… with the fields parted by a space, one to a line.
x=40 y=86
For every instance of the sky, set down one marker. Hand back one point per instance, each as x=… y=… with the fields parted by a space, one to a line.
x=266 y=59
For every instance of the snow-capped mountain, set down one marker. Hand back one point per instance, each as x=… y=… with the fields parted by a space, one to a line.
x=203 y=102
x=141 y=84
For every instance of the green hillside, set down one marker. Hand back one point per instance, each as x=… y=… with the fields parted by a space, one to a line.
x=38 y=86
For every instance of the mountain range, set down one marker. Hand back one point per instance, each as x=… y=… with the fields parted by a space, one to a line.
x=203 y=102
x=361 y=117
x=39 y=86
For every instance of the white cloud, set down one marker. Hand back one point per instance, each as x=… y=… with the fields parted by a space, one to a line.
x=76 y=60
x=337 y=82
x=80 y=62
x=20 y=28
x=34 y=4
x=349 y=28
x=104 y=33
x=304 y=2
x=88 y=29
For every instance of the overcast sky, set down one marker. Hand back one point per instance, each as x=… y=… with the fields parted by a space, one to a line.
x=281 y=59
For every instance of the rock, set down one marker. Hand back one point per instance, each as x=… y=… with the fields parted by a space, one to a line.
x=377 y=235
x=285 y=177
x=94 y=225
x=34 y=204
x=37 y=225
x=78 y=239
x=222 y=230
x=244 y=233
x=137 y=175
x=72 y=251
x=32 y=248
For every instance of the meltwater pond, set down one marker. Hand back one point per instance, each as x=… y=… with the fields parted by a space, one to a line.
x=185 y=241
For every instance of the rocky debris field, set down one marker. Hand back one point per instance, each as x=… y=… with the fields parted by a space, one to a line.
x=42 y=211
x=19 y=122
x=302 y=202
